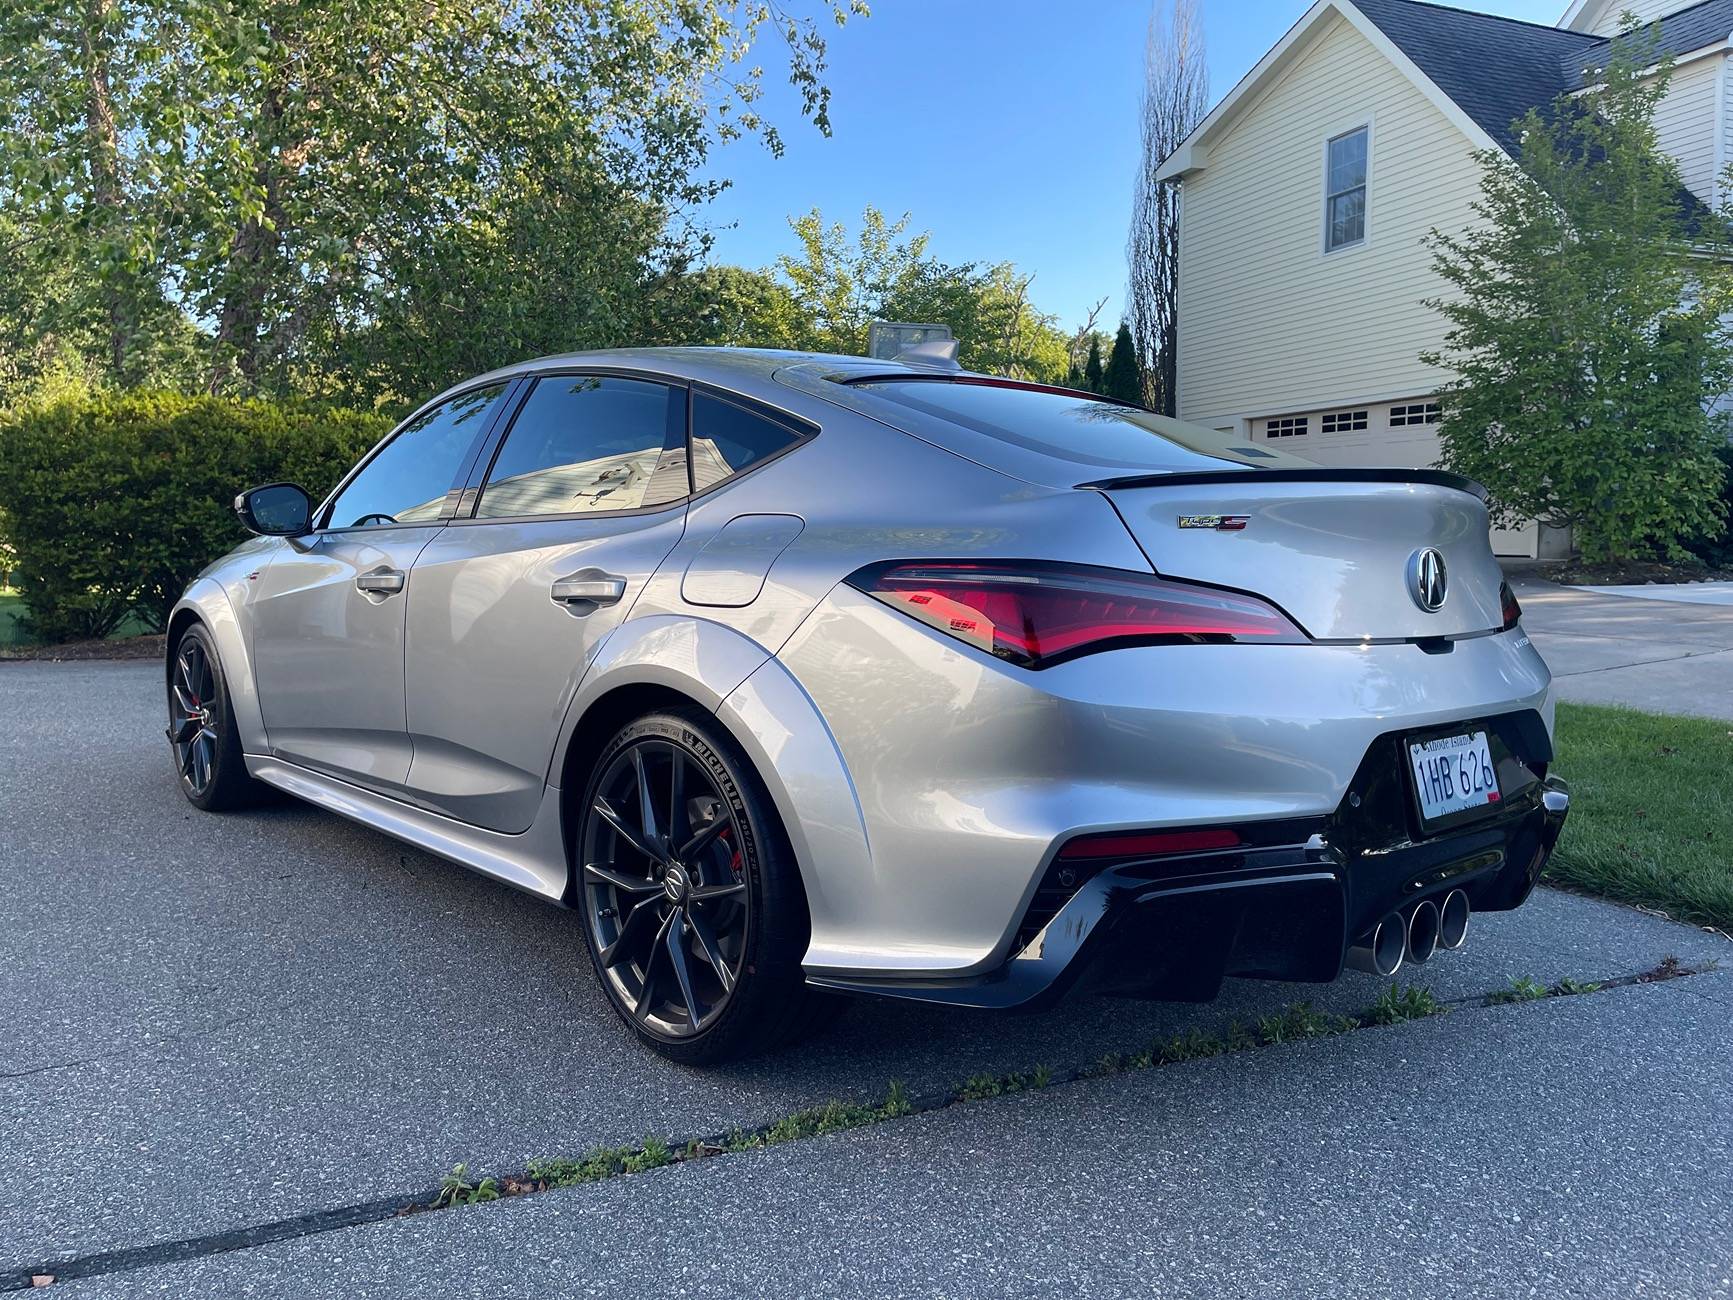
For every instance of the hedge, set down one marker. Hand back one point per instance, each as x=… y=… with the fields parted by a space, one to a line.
x=114 y=502
x=1717 y=552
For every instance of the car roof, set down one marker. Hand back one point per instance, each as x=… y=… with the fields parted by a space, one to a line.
x=719 y=365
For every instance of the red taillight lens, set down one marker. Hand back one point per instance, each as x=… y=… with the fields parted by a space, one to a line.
x=1507 y=602
x=1036 y=614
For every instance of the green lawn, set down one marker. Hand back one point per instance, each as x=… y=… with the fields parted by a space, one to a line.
x=1651 y=816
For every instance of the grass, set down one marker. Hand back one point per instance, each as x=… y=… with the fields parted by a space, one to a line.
x=1651 y=818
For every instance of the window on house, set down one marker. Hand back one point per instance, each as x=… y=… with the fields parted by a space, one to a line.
x=1345 y=191
x=1414 y=413
x=1287 y=426
x=1344 y=421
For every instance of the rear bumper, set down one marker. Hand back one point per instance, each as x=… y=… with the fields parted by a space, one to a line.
x=1284 y=906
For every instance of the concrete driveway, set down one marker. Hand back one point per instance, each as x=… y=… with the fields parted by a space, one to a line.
x=223 y=1035
x=1642 y=650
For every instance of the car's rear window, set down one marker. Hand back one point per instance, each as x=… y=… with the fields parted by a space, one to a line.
x=1076 y=427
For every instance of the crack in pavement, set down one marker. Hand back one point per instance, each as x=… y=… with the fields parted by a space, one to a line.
x=1642 y=663
x=359 y=1214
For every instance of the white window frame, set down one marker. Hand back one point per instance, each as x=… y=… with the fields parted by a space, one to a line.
x=1356 y=420
x=1286 y=426
x=1414 y=415
x=1366 y=207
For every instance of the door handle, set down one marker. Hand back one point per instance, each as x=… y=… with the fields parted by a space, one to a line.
x=380 y=582
x=591 y=588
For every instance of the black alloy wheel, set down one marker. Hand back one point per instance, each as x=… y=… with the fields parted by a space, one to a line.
x=201 y=727
x=191 y=714
x=692 y=905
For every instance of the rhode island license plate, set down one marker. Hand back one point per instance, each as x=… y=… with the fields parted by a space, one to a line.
x=1452 y=774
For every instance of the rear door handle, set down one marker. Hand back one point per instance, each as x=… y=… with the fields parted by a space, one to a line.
x=590 y=588
x=383 y=582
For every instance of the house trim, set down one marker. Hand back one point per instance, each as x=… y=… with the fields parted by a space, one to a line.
x=1193 y=152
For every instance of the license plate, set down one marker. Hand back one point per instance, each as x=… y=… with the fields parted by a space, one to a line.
x=1452 y=774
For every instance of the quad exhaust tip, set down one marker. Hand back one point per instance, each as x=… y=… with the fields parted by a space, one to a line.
x=1381 y=951
x=1413 y=939
x=1423 y=932
x=1453 y=921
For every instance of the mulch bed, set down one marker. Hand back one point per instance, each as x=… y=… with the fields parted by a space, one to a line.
x=1574 y=573
x=126 y=647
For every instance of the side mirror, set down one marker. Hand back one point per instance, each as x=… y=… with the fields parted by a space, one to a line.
x=275 y=510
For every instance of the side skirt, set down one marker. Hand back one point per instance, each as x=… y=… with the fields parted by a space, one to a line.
x=533 y=861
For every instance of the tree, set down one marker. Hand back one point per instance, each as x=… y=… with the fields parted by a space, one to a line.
x=838 y=285
x=1122 y=379
x=1175 y=99
x=1584 y=336
x=289 y=173
x=1092 y=376
x=729 y=306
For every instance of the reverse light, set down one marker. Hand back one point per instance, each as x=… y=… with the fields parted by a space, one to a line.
x=1508 y=604
x=1035 y=614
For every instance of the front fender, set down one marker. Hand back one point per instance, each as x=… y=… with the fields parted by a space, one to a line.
x=206 y=601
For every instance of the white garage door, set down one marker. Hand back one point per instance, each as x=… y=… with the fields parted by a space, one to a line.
x=1402 y=435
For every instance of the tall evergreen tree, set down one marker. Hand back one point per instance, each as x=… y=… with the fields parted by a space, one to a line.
x=1586 y=335
x=1092 y=368
x=1124 y=380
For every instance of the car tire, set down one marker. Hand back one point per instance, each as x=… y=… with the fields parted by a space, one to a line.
x=206 y=745
x=738 y=902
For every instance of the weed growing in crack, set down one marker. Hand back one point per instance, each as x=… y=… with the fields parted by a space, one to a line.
x=1520 y=990
x=1301 y=1021
x=1395 y=1005
x=456 y=1189
x=1296 y=1022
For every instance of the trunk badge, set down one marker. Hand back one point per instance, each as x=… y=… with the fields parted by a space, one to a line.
x=1221 y=523
x=1427 y=580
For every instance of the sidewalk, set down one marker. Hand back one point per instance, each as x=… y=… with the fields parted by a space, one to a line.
x=1648 y=652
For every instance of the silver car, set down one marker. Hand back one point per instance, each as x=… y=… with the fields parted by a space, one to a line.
x=797 y=674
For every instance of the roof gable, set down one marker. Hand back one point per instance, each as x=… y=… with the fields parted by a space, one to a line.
x=1495 y=69
x=1193 y=152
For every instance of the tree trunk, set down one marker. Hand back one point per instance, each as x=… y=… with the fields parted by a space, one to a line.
x=1175 y=98
x=106 y=201
x=252 y=260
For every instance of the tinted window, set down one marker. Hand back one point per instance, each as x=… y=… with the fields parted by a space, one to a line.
x=583 y=443
x=407 y=481
x=727 y=439
x=1077 y=428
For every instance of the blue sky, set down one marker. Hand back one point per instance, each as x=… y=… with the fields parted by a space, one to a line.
x=1008 y=128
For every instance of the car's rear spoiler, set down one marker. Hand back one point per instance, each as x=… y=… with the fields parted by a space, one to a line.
x=1322 y=474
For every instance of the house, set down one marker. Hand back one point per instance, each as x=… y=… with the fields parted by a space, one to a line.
x=1307 y=192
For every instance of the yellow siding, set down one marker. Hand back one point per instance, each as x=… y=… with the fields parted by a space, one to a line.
x=1686 y=123
x=1268 y=321
x=1607 y=23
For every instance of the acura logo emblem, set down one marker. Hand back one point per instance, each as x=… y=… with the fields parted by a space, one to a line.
x=1427 y=581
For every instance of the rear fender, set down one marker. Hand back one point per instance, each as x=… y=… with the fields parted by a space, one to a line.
x=767 y=713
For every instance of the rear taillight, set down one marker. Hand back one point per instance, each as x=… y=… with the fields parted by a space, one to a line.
x=1036 y=614
x=1507 y=603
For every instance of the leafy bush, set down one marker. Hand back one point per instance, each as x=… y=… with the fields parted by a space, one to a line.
x=115 y=501
x=1717 y=551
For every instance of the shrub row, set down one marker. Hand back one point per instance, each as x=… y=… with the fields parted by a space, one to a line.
x=114 y=502
x=1718 y=551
